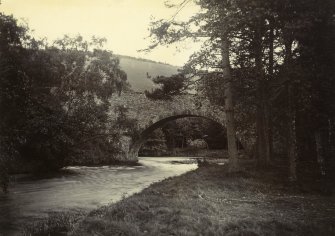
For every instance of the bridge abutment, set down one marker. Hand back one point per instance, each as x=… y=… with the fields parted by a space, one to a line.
x=126 y=154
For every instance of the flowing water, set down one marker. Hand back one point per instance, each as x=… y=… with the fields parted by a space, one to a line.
x=80 y=188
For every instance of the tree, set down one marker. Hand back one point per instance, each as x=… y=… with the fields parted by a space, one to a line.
x=76 y=95
x=212 y=23
x=54 y=98
x=271 y=43
x=315 y=34
x=12 y=92
x=168 y=86
x=229 y=106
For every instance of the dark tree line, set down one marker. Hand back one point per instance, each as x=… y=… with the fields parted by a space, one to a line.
x=281 y=60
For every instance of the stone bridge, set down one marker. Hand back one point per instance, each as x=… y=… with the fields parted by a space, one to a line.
x=153 y=114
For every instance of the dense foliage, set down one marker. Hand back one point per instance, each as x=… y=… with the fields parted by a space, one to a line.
x=282 y=59
x=55 y=101
x=167 y=86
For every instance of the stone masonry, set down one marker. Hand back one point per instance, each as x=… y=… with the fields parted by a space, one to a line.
x=152 y=114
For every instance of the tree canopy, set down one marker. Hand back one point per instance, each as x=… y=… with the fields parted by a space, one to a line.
x=282 y=62
x=54 y=97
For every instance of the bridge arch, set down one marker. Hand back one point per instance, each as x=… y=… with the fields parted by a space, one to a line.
x=143 y=136
x=151 y=114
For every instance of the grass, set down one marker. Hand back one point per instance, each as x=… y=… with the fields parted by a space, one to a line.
x=57 y=223
x=210 y=201
x=191 y=152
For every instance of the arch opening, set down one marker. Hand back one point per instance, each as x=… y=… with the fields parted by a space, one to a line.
x=183 y=142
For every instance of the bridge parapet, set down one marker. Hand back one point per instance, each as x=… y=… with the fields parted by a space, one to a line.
x=147 y=111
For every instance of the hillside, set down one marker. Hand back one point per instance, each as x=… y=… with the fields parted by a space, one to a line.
x=137 y=70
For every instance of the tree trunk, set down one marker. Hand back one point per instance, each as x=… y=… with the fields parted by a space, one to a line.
x=271 y=73
x=229 y=106
x=324 y=141
x=262 y=115
x=291 y=116
x=267 y=132
x=260 y=125
x=330 y=158
x=291 y=149
x=271 y=48
x=319 y=152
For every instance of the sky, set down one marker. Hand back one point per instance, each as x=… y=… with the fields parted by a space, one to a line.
x=124 y=23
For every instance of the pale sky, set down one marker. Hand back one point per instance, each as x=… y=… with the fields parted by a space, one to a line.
x=124 y=23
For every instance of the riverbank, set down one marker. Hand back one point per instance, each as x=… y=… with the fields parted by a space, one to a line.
x=209 y=201
x=189 y=152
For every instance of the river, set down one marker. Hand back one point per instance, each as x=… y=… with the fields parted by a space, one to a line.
x=80 y=188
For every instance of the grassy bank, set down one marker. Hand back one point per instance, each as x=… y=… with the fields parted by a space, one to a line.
x=189 y=152
x=209 y=201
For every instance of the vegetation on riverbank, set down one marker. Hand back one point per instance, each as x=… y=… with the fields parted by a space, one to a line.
x=58 y=223
x=251 y=202
x=191 y=152
x=55 y=100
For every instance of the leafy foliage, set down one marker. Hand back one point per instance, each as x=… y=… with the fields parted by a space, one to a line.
x=168 y=86
x=54 y=99
x=282 y=58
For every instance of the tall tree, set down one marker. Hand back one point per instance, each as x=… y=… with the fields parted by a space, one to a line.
x=229 y=105
x=271 y=43
x=212 y=23
x=12 y=92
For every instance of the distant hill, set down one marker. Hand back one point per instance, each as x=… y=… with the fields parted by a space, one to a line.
x=137 y=69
